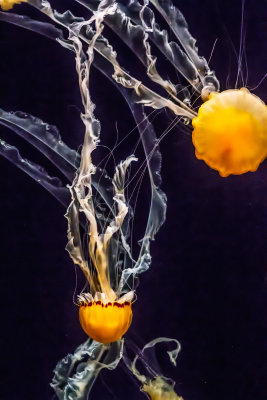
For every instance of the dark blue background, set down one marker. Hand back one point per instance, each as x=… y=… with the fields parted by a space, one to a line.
x=206 y=283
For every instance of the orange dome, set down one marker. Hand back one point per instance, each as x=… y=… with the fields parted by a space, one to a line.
x=230 y=132
x=105 y=322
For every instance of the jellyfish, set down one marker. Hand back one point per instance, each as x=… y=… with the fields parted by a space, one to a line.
x=230 y=131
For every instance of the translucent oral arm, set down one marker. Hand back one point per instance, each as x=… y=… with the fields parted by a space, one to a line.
x=82 y=180
x=158 y=386
x=150 y=145
x=43 y=137
x=46 y=139
x=178 y=25
x=43 y=28
x=74 y=245
x=82 y=185
x=76 y=373
x=118 y=184
x=144 y=95
x=129 y=25
x=36 y=172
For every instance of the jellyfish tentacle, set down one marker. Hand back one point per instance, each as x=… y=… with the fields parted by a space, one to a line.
x=76 y=373
x=151 y=60
x=126 y=22
x=66 y=19
x=74 y=245
x=123 y=209
x=118 y=184
x=82 y=182
x=43 y=28
x=47 y=140
x=147 y=135
x=78 y=382
x=44 y=137
x=83 y=178
x=178 y=25
x=136 y=38
x=173 y=354
x=158 y=200
x=154 y=383
x=144 y=95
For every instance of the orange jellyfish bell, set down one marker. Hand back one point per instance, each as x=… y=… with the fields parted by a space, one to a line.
x=102 y=320
x=230 y=132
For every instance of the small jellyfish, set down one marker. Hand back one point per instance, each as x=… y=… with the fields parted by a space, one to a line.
x=230 y=132
x=153 y=383
x=159 y=389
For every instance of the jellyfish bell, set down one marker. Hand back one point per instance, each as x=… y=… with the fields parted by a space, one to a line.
x=103 y=320
x=230 y=132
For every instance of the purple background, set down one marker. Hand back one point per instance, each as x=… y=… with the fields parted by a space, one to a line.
x=206 y=283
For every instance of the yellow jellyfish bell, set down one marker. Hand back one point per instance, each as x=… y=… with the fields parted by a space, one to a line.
x=105 y=321
x=230 y=132
x=8 y=4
